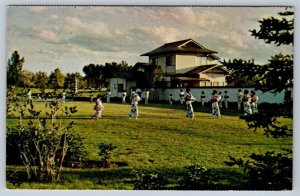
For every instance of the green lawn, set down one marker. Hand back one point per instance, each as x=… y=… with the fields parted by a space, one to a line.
x=161 y=140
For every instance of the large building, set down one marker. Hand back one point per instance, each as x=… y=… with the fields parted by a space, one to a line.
x=186 y=63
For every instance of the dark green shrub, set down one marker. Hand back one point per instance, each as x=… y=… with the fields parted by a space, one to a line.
x=149 y=181
x=105 y=154
x=267 y=171
x=198 y=178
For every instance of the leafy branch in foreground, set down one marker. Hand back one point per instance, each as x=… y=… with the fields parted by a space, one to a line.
x=41 y=143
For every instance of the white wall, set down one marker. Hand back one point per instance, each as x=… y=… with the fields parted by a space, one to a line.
x=185 y=63
x=113 y=86
x=232 y=92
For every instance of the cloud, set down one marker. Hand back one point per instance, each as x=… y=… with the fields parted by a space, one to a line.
x=36 y=9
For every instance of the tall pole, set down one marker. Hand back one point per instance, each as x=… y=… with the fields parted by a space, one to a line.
x=76 y=86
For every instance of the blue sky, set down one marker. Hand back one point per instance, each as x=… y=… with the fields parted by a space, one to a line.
x=70 y=37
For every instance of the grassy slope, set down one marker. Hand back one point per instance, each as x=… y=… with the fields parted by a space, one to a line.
x=162 y=139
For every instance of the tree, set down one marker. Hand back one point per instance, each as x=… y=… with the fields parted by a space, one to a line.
x=26 y=78
x=14 y=67
x=93 y=74
x=270 y=171
x=277 y=75
x=69 y=82
x=153 y=74
x=56 y=79
x=97 y=75
x=41 y=79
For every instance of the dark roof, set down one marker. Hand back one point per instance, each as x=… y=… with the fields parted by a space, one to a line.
x=184 y=78
x=140 y=65
x=180 y=46
x=203 y=68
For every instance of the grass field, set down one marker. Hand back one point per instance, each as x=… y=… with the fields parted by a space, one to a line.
x=162 y=139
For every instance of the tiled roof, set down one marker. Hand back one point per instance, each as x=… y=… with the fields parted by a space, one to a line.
x=178 y=46
x=201 y=68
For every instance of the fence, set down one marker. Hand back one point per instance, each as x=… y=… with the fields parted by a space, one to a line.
x=163 y=94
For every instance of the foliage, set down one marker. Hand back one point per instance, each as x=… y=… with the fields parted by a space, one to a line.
x=96 y=75
x=267 y=171
x=41 y=79
x=41 y=143
x=277 y=75
x=56 y=79
x=280 y=31
x=14 y=67
x=105 y=153
x=69 y=82
x=26 y=78
x=149 y=181
x=198 y=178
x=270 y=171
x=266 y=119
x=153 y=74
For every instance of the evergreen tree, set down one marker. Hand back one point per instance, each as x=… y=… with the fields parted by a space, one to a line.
x=14 y=67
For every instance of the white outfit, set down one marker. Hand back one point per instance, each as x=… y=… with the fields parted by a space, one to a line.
x=124 y=97
x=202 y=96
x=254 y=100
x=147 y=97
x=181 y=95
x=226 y=97
x=247 y=104
x=239 y=99
x=108 y=96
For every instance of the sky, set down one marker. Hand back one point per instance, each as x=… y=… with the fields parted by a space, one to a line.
x=70 y=37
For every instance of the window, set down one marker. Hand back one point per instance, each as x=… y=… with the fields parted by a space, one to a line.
x=153 y=61
x=169 y=61
x=216 y=84
x=120 y=87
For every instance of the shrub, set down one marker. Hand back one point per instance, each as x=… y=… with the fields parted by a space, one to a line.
x=105 y=154
x=149 y=181
x=41 y=144
x=267 y=171
x=197 y=178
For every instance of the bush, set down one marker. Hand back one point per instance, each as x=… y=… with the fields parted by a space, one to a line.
x=149 y=181
x=105 y=154
x=41 y=144
x=267 y=171
x=198 y=178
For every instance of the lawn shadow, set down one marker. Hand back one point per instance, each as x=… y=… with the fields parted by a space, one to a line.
x=224 y=179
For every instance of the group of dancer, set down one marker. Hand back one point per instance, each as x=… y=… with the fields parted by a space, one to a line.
x=247 y=103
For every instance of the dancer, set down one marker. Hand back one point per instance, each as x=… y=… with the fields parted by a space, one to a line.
x=247 y=103
x=147 y=96
x=203 y=96
x=91 y=97
x=171 y=99
x=215 y=104
x=98 y=108
x=254 y=100
x=220 y=100
x=181 y=96
x=189 y=99
x=226 y=97
x=124 y=97
x=108 y=94
x=134 y=112
x=240 y=96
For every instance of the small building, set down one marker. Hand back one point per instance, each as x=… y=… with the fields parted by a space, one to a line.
x=186 y=63
x=120 y=82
